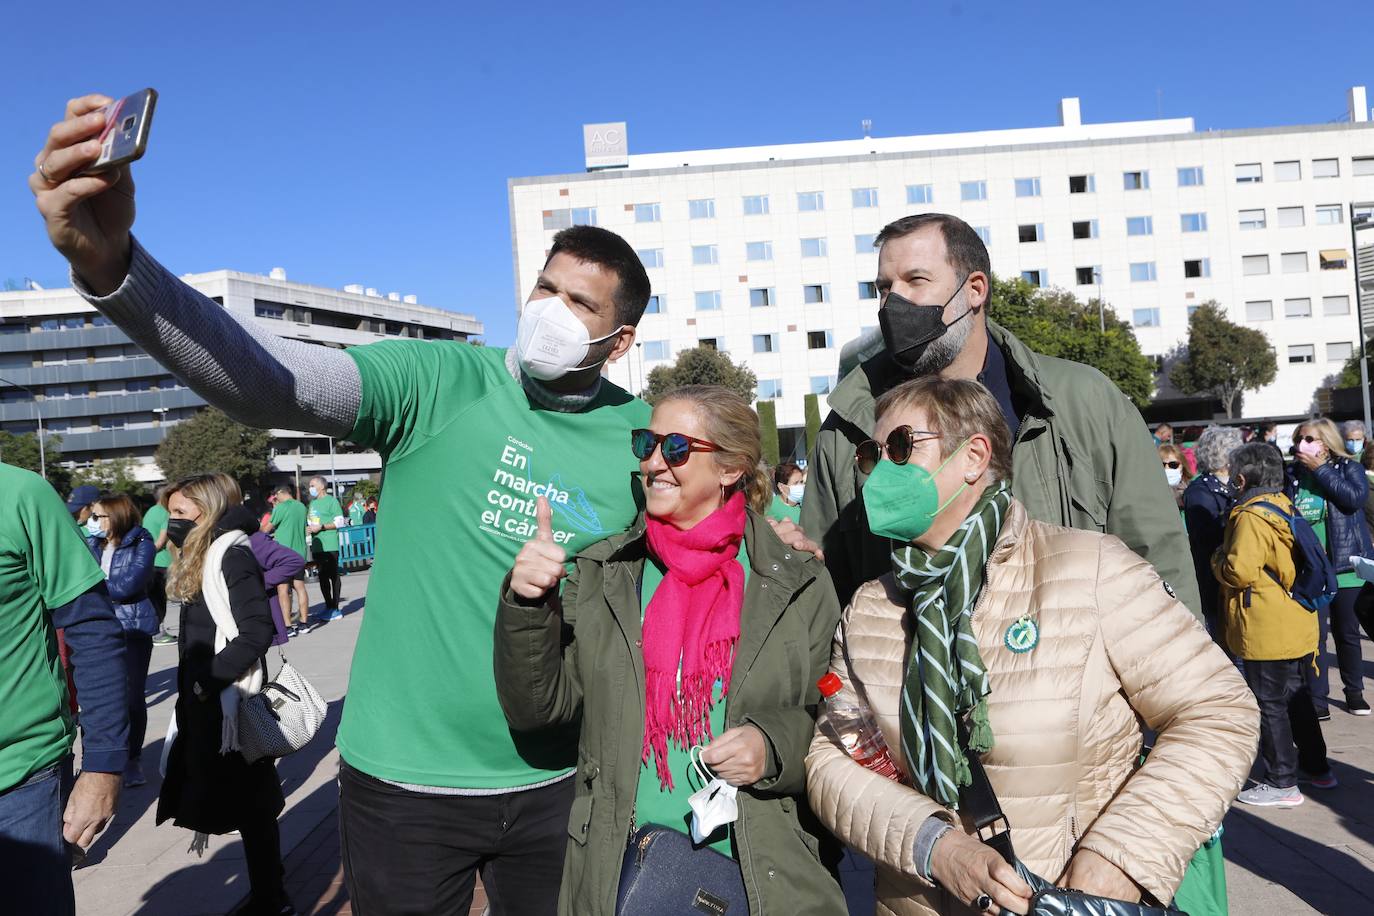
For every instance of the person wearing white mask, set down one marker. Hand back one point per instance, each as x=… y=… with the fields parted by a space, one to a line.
x=789 y=486
x=433 y=783
x=1176 y=472
x=1354 y=433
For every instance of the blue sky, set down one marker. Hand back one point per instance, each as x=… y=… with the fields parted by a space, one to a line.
x=370 y=143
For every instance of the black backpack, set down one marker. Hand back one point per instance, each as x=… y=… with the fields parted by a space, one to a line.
x=1314 y=585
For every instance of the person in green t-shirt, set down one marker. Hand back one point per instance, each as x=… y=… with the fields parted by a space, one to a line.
x=322 y=522
x=357 y=508
x=155 y=521
x=789 y=483
x=287 y=527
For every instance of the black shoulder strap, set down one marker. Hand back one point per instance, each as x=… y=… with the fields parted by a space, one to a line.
x=979 y=802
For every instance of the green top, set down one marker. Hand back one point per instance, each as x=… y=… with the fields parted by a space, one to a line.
x=656 y=805
x=466 y=456
x=44 y=564
x=155 y=521
x=1313 y=508
x=323 y=510
x=780 y=510
x=288 y=524
x=356 y=511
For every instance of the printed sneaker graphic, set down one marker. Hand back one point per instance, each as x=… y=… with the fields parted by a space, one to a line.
x=578 y=510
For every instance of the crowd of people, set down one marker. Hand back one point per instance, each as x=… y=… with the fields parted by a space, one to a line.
x=622 y=639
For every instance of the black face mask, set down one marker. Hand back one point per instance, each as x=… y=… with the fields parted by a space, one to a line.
x=178 y=529
x=908 y=329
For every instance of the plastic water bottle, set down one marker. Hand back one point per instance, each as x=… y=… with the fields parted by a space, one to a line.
x=851 y=725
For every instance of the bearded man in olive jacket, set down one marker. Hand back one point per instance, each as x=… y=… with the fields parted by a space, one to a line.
x=1082 y=456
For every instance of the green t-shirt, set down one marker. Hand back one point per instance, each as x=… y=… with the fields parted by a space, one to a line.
x=780 y=510
x=466 y=455
x=1313 y=508
x=155 y=520
x=323 y=510
x=356 y=511
x=657 y=805
x=288 y=525
x=44 y=564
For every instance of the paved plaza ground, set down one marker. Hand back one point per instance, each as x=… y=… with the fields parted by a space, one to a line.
x=1318 y=858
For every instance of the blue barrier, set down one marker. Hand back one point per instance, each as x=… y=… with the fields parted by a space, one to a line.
x=357 y=544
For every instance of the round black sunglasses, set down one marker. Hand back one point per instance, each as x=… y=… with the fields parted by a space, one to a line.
x=677 y=447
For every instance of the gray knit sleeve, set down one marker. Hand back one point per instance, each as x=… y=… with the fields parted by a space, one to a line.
x=243 y=369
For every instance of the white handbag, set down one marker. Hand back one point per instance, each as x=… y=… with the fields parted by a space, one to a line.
x=282 y=718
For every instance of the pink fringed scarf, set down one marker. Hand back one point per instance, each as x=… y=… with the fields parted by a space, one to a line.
x=692 y=618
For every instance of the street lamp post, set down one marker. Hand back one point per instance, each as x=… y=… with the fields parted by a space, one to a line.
x=1101 y=312
x=333 y=472
x=1357 y=223
x=38 y=415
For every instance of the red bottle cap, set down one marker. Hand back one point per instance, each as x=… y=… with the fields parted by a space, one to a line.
x=830 y=684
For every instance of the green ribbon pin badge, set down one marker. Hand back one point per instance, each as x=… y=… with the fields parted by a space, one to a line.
x=1023 y=635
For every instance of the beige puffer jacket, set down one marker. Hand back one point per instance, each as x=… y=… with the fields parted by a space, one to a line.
x=1114 y=643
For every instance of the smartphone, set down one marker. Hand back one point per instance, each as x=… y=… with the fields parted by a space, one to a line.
x=125 y=135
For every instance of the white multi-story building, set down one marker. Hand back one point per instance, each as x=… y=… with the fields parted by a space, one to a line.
x=766 y=252
x=63 y=362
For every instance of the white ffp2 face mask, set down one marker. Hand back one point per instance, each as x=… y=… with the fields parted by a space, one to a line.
x=551 y=341
x=713 y=805
x=1174 y=476
x=795 y=492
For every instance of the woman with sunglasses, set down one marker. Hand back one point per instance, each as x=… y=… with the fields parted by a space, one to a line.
x=697 y=627
x=1042 y=651
x=1176 y=471
x=1328 y=486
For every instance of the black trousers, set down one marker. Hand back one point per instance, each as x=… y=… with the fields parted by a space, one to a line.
x=1339 y=618
x=1286 y=719
x=410 y=854
x=266 y=875
x=138 y=652
x=327 y=564
x=157 y=593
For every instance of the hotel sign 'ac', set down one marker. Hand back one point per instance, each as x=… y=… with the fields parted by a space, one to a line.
x=605 y=146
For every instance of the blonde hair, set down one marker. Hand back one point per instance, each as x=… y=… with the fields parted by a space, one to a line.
x=956 y=409
x=734 y=428
x=1170 y=452
x=1326 y=431
x=213 y=494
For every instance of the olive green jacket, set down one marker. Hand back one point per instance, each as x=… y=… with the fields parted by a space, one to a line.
x=1082 y=459
x=551 y=669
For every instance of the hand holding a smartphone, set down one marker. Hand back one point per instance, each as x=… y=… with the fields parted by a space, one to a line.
x=89 y=213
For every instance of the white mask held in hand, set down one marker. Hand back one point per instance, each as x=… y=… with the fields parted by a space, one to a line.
x=550 y=341
x=713 y=805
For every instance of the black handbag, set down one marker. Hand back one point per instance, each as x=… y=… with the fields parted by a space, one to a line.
x=979 y=801
x=663 y=874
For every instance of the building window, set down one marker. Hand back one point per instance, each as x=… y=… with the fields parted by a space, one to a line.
x=1192 y=309
x=1140 y=225
x=1135 y=181
x=111 y=422
x=1330 y=214
x=1290 y=217
x=1259 y=310
x=1198 y=267
x=1034 y=277
x=808 y=201
x=819 y=340
x=708 y=301
x=1326 y=168
x=655 y=349
x=583 y=216
x=650 y=257
x=263 y=310
x=1249 y=173
x=1190 y=177
x=100 y=321
x=1028 y=187
x=864 y=197
x=1086 y=276
x=1142 y=271
x=655 y=306
x=1362 y=165
x=822 y=384
x=1031 y=232
x=1145 y=318
x=1297 y=308
x=973 y=190
x=814 y=248
x=710 y=343
x=1288 y=171
x=765 y=343
x=1082 y=184
x=1252 y=219
x=1339 y=352
x=557 y=219
x=1192 y=222
x=758 y=251
x=762 y=297
x=704 y=254
x=1085 y=229
x=868 y=289
x=769 y=389
x=816 y=292
x=1333 y=259
x=863 y=244
x=1335 y=305
x=1302 y=353
x=701 y=209
x=1294 y=262
x=756 y=205
x=647 y=213
x=920 y=194
x=984 y=233
x=1254 y=265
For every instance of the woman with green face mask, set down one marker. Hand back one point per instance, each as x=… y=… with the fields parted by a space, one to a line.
x=1040 y=651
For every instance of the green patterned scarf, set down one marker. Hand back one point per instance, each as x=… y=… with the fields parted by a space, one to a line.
x=945 y=676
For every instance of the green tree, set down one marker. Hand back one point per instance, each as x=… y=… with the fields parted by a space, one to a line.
x=209 y=442
x=113 y=476
x=1055 y=323
x=701 y=366
x=813 y=420
x=1350 y=372
x=1223 y=358
x=365 y=489
x=20 y=450
x=768 y=431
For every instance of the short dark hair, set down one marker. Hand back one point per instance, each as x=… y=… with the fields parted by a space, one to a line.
x=783 y=473
x=284 y=488
x=1259 y=463
x=594 y=245
x=964 y=248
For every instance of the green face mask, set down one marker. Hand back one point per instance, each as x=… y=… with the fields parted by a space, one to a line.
x=902 y=501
